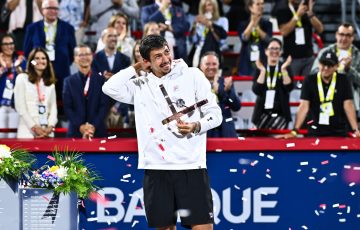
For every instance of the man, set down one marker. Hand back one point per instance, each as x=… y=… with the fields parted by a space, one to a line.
x=57 y=37
x=225 y=92
x=84 y=103
x=348 y=56
x=296 y=22
x=109 y=60
x=171 y=133
x=327 y=98
x=172 y=22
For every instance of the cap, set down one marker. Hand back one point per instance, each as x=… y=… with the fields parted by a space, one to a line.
x=328 y=58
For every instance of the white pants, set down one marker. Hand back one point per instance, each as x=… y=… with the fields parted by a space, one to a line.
x=9 y=118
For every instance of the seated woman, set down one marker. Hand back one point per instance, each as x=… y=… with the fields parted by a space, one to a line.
x=35 y=97
x=272 y=85
x=11 y=65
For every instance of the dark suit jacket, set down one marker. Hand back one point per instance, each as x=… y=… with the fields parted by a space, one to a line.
x=100 y=63
x=80 y=109
x=64 y=45
x=179 y=24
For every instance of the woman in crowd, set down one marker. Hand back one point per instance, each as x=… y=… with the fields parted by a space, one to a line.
x=125 y=42
x=208 y=30
x=272 y=85
x=254 y=34
x=11 y=65
x=35 y=97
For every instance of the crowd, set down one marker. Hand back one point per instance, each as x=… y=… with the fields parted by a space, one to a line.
x=50 y=78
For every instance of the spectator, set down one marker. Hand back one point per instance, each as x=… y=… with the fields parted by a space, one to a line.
x=11 y=65
x=151 y=28
x=296 y=22
x=102 y=10
x=172 y=23
x=84 y=103
x=125 y=43
x=194 y=9
x=327 y=100
x=272 y=85
x=236 y=14
x=56 y=36
x=225 y=92
x=77 y=14
x=35 y=97
x=20 y=14
x=254 y=34
x=349 y=59
x=207 y=31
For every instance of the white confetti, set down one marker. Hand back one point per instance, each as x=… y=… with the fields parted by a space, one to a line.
x=270 y=157
x=228 y=119
x=344 y=147
x=356 y=168
x=290 y=145
x=24 y=191
x=107 y=212
x=313 y=127
x=121 y=157
x=261 y=154
x=353 y=193
x=237 y=187
x=311 y=178
x=102 y=148
x=268 y=176
x=342 y=220
x=134 y=223
x=348 y=208
x=33 y=62
x=126 y=158
x=317 y=213
x=233 y=170
x=304 y=163
x=314 y=170
x=333 y=155
x=254 y=163
x=274 y=114
x=304 y=227
x=103 y=141
x=317 y=141
x=124 y=180
x=241 y=138
x=92 y=212
x=339 y=213
x=230 y=100
x=126 y=176
x=298 y=170
x=322 y=180
x=333 y=174
x=218 y=150
x=112 y=137
x=133 y=181
x=351 y=184
x=92 y=219
x=347 y=167
x=336 y=205
x=358 y=215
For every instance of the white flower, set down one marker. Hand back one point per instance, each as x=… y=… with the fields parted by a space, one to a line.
x=62 y=172
x=5 y=152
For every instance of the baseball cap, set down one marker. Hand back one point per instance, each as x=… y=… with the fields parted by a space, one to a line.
x=328 y=58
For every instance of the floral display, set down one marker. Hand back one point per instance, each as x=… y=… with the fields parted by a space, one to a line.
x=64 y=173
x=14 y=163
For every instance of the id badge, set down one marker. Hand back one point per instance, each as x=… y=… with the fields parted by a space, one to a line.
x=8 y=90
x=299 y=36
x=324 y=119
x=51 y=52
x=269 y=99
x=42 y=115
x=254 y=53
x=327 y=108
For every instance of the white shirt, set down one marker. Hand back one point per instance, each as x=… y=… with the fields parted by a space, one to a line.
x=161 y=146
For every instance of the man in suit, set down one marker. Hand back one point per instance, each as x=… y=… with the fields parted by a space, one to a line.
x=109 y=60
x=172 y=22
x=56 y=36
x=85 y=105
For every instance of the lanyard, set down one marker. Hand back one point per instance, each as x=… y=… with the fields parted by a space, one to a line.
x=271 y=82
x=41 y=95
x=46 y=30
x=349 y=51
x=167 y=15
x=331 y=90
x=87 y=83
x=298 y=23
x=255 y=35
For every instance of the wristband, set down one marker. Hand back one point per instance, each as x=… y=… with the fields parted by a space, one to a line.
x=197 y=128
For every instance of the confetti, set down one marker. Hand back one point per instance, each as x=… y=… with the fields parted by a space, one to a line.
x=323 y=206
x=241 y=138
x=107 y=212
x=254 y=163
x=103 y=141
x=314 y=170
x=313 y=127
x=274 y=115
x=342 y=206
x=230 y=100
x=335 y=205
x=356 y=168
x=134 y=223
x=112 y=137
x=298 y=170
x=348 y=209
x=218 y=150
x=333 y=174
x=268 y=176
x=333 y=155
x=264 y=193
x=342 y=220
x=304 y=163
x=92 y=212
x=228 y=119
x=124 y=180
x=24 y=191
x=243 y=171
x=353 y=193
x=311 y=178
x=351 y=184
x=161 y=147
x=270 y=157
x=261 y=154
x=102 y=148
x=237 y=187
x=358 y=215
x=126 y=176
x=347 y=167
x=322 y=180
x=325 y=162
x=310 y=122
x=304 y=227
x=51 y=158
x=92 y=219
x=344 y=147
x=233 y=170
x=33 y=62
x=243 y=161
x=317 y=141
x=184 y=212
x=289 y=145
x=317 y=213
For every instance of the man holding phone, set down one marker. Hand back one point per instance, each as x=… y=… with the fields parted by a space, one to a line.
x=296 y=22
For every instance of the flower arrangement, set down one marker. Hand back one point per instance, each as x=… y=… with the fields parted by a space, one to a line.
x=67 y=174
x=14 y=163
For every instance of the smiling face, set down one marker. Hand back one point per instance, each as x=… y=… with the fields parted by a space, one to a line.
x=83 y=57
x=209 y=66
x=110 y=38
x=41 y=61
x=50 y=10
x=160 y=61
x=257 y=7
x=273 y=52
x=7 y=46
x=120 y=25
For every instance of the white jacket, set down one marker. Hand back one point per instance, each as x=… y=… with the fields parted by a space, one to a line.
x=161 y=146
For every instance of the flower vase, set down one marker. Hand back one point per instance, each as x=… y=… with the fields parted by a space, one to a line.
x=43 y=209
x=9 y=204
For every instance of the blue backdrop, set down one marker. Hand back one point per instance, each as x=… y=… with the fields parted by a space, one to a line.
x=251 y=190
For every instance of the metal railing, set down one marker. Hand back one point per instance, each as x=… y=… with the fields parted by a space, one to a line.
x=353 y=15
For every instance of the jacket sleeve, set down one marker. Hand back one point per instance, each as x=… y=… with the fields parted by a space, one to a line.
x=28 y=41
x=20 y=100
x=52 y=108
x=211 y=112
x=72 y=43
x=131 y=8
x=120 y=87
x=69 y=104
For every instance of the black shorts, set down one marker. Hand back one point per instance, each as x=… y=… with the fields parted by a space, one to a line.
x=167 y=192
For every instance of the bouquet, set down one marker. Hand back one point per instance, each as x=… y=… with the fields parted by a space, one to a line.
x=14 y=163
x=64 y=173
